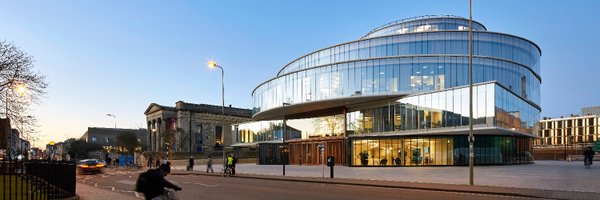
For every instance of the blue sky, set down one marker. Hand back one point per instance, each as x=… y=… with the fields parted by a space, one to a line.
x=119 y=56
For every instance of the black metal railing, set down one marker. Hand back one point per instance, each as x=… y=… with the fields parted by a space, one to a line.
x=37 y=179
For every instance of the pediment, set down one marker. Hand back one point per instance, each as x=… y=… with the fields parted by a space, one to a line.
x=153 y=108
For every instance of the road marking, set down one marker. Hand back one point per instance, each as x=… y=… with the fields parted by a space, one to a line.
x=127 y=182
x=96 y=185
x=137 y=195
x=113 y=189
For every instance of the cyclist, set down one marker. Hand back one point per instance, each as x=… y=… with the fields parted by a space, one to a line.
x=156 y=183
x=230 y=164
x=588 y=157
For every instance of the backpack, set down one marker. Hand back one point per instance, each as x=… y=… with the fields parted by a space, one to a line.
x=141 y=185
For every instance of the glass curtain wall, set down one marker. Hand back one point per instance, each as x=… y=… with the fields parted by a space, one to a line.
x=440 y=150
x=486 y=44
x=493 y=106
x=393 y=76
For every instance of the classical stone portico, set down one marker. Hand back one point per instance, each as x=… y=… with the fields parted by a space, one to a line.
x=191 y=127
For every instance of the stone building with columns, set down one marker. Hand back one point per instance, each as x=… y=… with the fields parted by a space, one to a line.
x=189 y=127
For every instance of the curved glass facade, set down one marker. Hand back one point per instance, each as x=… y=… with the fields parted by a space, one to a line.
x=424 y=59
x=425 y=23
x=404 y=75
x=493 y=106
x=485 y=44
x=399 y=96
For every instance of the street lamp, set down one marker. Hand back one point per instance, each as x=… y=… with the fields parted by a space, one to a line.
x=212 y=64
x=21 y=89
x=471 y=137
x=115 y=119
x=283 y=130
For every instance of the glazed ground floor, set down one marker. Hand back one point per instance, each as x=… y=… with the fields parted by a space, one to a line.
x=394 y=151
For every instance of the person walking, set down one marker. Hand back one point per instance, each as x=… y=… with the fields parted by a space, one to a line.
x=209 y=165
x=150 y=162
x=191 y=164
x=588 y=156
x=234 y=161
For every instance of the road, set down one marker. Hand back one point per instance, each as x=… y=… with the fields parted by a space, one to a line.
x=213 y=187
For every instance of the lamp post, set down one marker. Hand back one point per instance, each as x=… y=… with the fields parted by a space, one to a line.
x=21 y=89
x=115 y=119
x=283 y=133
x=212 y=65
x=471 y=137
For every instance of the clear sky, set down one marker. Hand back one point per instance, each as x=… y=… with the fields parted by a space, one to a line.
x=119 y=56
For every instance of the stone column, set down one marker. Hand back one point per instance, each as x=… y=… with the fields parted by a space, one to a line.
x=159 y=132
x=149 y=139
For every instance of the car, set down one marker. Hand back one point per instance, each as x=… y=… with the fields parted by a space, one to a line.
x=91 y=166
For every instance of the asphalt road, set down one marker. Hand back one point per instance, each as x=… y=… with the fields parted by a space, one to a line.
x=211 y=187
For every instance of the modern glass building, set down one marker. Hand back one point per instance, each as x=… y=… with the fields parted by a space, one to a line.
x=399 y=97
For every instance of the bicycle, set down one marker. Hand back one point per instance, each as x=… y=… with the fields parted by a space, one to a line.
x=587 y=163
x=228 y=171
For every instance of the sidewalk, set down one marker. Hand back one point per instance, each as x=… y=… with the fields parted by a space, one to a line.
x=546 y=179
x=88 y=192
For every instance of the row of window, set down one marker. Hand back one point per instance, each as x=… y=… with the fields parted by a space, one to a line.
x=434 y=43
x=570 y=123
x=432 y=24
x=392 y=76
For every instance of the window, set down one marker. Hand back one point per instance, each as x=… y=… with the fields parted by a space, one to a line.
x=219 y=134
x=94 y=139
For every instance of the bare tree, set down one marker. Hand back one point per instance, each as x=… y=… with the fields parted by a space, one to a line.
x=20 y=87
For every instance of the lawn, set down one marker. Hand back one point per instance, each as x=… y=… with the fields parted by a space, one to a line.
x=15 y=187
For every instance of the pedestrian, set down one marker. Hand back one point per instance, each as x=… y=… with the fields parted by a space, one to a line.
x=150 y=162
x=157 y=163
x=209 y=164
x=109 y=161
x=117 y=161
x=191 y=164
x=588 y=156
x=234 y=161
x=152 y=183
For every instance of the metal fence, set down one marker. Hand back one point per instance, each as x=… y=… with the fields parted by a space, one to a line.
x=37 y=179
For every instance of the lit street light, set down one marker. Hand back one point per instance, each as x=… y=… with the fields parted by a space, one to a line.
x=212 y=65
x=21 y=89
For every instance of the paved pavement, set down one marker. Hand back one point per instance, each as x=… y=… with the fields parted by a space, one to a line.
x=547 y=175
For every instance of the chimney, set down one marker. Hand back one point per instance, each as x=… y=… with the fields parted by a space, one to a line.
x=230 y=105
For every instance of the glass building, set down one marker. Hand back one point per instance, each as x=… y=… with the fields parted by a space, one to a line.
x=399 y=96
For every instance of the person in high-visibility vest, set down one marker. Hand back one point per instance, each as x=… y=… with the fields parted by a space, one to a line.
x=230 y=163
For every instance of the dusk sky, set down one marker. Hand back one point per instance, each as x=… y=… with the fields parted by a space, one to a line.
x=119 y=56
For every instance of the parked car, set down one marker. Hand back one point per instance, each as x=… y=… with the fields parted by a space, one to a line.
x=91 y=166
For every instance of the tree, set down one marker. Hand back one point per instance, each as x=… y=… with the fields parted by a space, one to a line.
x=20 y=85
x=128 y=141
x=80 y=149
